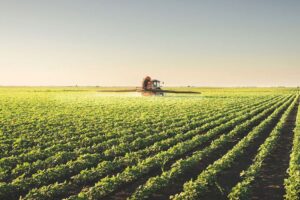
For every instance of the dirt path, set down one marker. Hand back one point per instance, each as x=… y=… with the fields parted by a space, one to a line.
x=269 y=185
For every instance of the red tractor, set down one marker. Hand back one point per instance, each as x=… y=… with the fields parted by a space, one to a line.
x=151 y=87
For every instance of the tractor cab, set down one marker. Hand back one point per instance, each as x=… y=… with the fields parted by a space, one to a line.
x=155 y=84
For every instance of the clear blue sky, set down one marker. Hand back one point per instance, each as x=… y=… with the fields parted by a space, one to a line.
x=117 y=42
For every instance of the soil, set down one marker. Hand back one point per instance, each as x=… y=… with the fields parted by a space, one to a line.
x=127 y=190
x=270 y=183
x=230 y=177
x=176 y=186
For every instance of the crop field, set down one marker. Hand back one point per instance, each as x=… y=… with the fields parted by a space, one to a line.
x=79 y=143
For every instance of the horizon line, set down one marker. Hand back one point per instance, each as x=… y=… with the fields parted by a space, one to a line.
x=191 y=86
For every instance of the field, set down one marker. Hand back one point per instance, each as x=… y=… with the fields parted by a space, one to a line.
x=78 y=143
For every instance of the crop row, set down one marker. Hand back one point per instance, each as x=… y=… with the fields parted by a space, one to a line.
x=28 y=124
x=194 y=189
x=110 y=184
x=63 y=171
x=182 y=166
x=54 y=156
x=140 y=142
x=243 y=189
x=292 y=183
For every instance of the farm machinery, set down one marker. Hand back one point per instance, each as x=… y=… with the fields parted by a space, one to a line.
x=151 y=87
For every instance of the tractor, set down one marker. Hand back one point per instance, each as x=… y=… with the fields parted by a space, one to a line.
x=151 y=87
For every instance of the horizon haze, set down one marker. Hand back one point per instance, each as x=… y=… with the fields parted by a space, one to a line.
x=116 y=43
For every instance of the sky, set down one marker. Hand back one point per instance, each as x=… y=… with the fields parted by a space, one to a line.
x=118 y=42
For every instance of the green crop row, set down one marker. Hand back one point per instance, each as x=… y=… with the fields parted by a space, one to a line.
x=56 y=145
x=13 y=169
x=111 y=183
x=60 y=172
x=132 y=157
x=243 y=189
x=195 y=188
x=292 y=183
x=182 y=166
x=84 y=177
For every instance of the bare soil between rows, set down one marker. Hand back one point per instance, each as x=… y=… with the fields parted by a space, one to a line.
x=270 y=183
x=177 y=186
x=230 y=177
